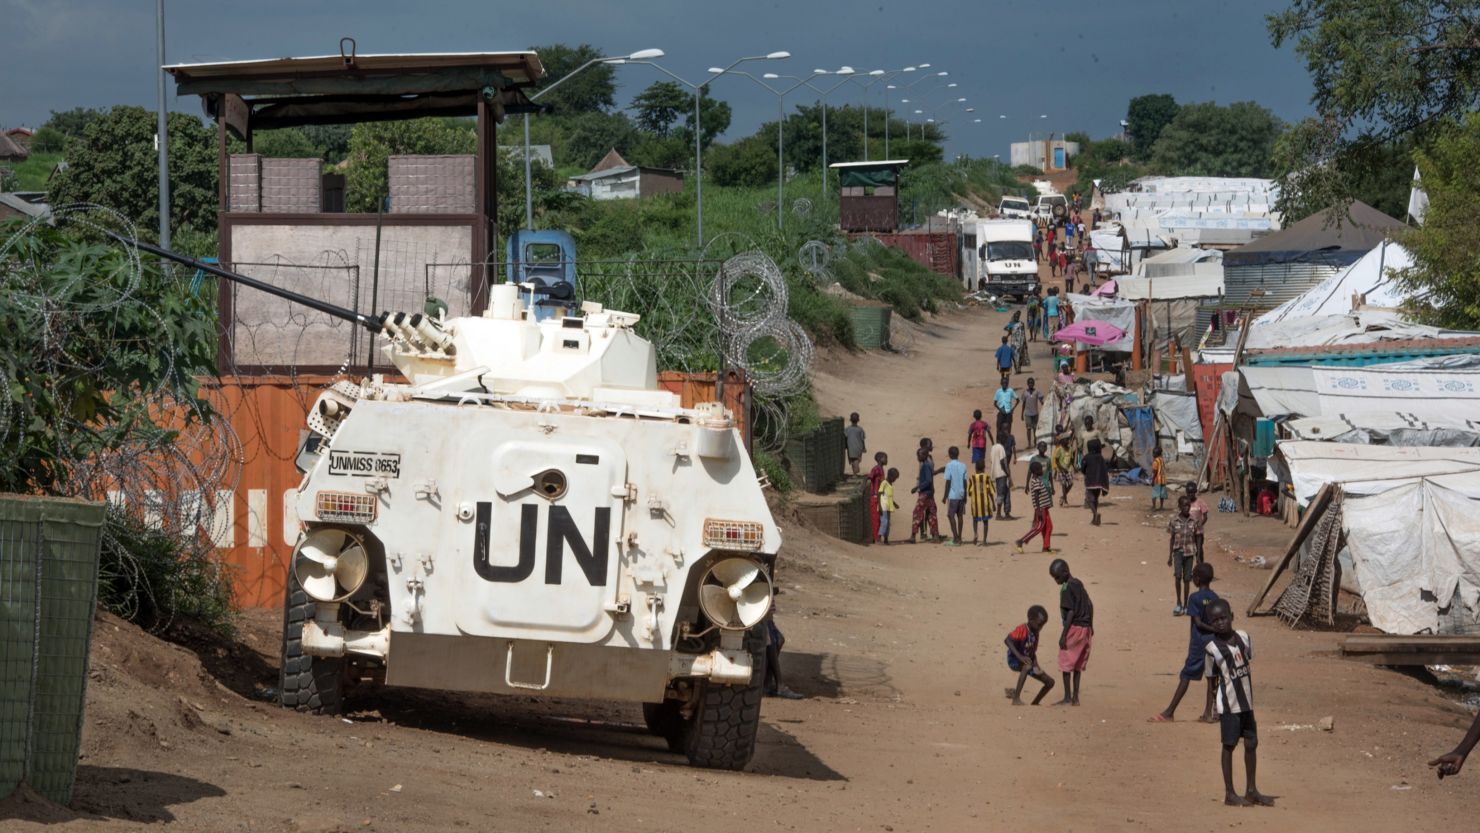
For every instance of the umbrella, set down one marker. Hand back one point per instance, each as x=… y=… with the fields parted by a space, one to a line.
x=1106 y=289
x=1091 y=332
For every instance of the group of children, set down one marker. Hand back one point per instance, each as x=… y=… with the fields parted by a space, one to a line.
x=1215 y=650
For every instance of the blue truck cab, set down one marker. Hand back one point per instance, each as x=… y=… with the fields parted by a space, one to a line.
x=546 y=260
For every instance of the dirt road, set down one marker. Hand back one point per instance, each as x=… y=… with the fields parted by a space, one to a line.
x=905 y=728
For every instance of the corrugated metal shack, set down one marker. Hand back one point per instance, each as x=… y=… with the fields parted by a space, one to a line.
x=1284 y=265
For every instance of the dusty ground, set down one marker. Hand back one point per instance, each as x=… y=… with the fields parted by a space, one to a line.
x=905 y=727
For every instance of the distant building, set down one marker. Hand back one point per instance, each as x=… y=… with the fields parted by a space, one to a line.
x=1046 y=155
x=614 y=178
x=12 y=151
x=21 y=136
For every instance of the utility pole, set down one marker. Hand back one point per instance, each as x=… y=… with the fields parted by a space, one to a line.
x=164 y=135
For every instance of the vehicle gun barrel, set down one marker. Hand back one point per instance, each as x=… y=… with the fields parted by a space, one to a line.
x=373 y=323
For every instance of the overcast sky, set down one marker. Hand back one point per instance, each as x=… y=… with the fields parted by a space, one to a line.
x=1077 y=62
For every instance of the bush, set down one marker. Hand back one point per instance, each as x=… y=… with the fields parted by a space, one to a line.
x=146 y=577
x=773 y=469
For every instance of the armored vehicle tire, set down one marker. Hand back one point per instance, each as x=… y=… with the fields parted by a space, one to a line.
x=306 y=683
x=722 y=731
x=666 y=721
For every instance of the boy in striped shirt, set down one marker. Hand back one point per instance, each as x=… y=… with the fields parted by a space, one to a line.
x=980 y=494
x=1230 y=652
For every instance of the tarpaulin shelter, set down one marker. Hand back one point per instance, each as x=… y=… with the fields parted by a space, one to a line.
x=1411 y=526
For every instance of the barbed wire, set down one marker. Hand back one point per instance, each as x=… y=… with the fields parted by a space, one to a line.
x=174 y=467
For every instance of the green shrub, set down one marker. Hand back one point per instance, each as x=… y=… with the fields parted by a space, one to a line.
x=774 y=470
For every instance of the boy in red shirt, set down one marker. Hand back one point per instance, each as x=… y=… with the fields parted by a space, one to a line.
x=1022 y=655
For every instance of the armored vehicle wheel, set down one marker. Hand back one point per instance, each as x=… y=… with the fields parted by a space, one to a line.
x=666 y=721
x=306 y=683
x=721 y=733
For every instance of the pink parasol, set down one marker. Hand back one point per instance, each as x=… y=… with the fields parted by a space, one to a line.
x=1091 y=332
x=1106 y=289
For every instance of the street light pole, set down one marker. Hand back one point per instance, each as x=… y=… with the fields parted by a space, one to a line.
x=846 y=72
x=698 y=89
x=639 y=56
x=164 y=130
x=780 y=131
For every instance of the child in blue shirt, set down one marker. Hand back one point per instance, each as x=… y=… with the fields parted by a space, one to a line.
x=1201 y=633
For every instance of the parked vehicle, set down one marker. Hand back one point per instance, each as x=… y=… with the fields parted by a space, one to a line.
x=1005 y=250
x=1015 y=208
x=1051 y=206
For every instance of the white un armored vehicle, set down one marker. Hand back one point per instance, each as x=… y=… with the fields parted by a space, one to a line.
x=529 y=513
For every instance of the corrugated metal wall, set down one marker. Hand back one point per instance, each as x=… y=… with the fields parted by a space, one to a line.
x=1280 y=282
x=268 y=415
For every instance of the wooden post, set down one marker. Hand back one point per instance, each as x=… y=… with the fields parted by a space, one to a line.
x=1136 y=339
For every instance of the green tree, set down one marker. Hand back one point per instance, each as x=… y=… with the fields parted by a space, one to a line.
x=660 y=106
x=48 y=140
x=371 y=145
x=1382 y=71
x=1210 y=140
x=714 y=117
x=114 y=164
x=586 y=137
x=287 y=143
x=331 y=140
x=1146 y=117
x=92 y=397
x=1446 y=273
x=595 y=89
x=747 y=163
x=71 y=124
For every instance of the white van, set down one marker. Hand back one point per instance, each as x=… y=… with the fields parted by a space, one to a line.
x=1014 y=208
x=1005 y=253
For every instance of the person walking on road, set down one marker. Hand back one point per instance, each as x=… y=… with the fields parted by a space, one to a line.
x=924 y=491
x=853 y=435
x=1002 y=476
x=1032 y=404
x=955 y=482
x=978 y=437
x=1005 y=400
x=1063 y=469
x=1004 y=356
x=1096 y=478
x=1041 y=499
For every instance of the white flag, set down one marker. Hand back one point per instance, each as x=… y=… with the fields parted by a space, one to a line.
x=1418 y=201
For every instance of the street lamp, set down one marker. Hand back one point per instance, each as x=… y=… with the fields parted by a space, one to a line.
x=780 y=123
x=926 y=77
x=867 y=81
x=715 y=72
x=845 y=72
x=640 y=55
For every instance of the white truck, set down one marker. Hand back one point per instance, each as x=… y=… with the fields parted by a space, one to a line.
x=529 y=513
x=1005 y=257
x=1014 y=208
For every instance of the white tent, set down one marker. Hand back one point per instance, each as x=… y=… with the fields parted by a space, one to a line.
x=1411 y=522
x=1370 y=279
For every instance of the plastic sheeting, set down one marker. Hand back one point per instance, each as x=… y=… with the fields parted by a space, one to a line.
x=1122 y=314
x=1373 y=469
x=1450 y=397
x=1142 y=422
x=1384 y=429
x=1416 y=550
x=1178 y=412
